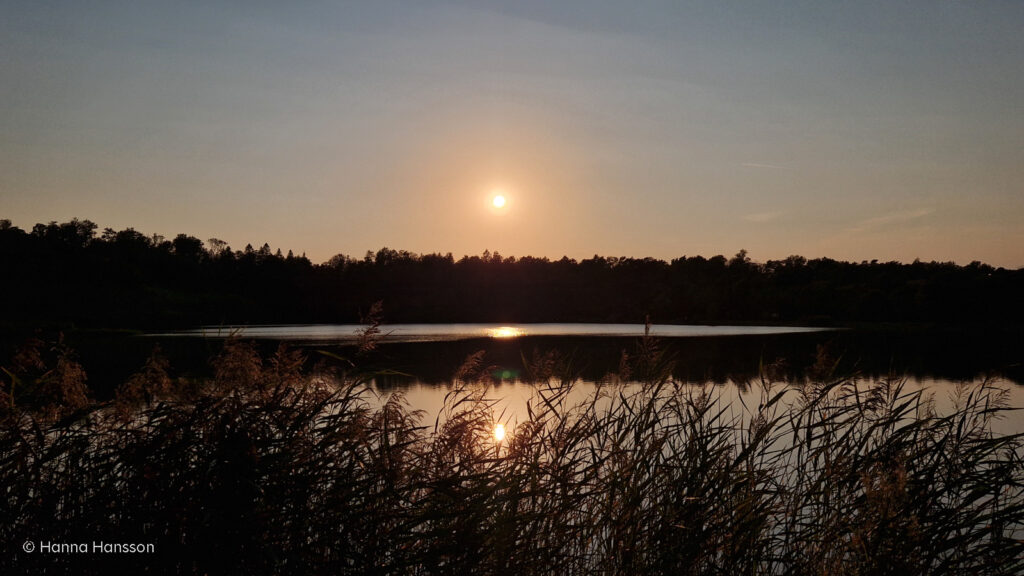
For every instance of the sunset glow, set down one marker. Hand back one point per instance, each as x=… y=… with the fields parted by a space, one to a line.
x=542 y=129
x=505 y=332
x=743 y=278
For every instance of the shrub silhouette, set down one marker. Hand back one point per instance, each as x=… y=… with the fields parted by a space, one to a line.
x=270 y=468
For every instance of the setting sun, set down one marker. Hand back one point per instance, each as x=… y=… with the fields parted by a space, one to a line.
x=498 y=201
x=499 y=432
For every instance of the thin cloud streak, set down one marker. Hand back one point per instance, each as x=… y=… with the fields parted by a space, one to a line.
x=891 y=218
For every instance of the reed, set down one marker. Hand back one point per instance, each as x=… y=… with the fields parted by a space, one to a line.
x=270 y=468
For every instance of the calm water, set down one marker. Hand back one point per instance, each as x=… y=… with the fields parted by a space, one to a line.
x=730 y=358
x=342 y=333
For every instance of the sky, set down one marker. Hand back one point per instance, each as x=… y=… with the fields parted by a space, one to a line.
x=850 y=130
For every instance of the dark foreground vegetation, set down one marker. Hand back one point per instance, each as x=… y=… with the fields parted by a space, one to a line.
x=67 y=274
x=268 y=468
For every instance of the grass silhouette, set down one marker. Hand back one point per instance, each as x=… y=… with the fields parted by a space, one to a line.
x=271 y=468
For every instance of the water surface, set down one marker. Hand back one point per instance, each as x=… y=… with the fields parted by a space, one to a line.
x=343 y=333
x=419 y=360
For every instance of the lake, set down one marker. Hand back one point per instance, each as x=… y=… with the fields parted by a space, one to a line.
x=420 y=359
x=345 y=333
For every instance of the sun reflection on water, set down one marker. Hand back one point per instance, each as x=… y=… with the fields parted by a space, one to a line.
x=505 y=332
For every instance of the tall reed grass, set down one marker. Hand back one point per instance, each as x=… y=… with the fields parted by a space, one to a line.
x=270 y=468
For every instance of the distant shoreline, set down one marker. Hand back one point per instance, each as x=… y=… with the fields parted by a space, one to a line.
x=66 y=276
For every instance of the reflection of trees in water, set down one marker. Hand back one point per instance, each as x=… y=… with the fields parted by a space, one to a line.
x=110 y=358
x=731 y=360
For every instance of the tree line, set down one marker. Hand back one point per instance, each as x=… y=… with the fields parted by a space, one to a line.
x=71 y=274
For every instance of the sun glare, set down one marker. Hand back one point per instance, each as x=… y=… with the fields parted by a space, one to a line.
x=499 y=432
x=504 y=332
x=498 y=201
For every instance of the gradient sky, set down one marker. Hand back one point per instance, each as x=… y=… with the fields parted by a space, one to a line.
x=853 y=130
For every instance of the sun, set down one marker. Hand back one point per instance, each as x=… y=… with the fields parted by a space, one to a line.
x=498 y=201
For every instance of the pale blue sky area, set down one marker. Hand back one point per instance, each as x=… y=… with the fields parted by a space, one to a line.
x=854 y=130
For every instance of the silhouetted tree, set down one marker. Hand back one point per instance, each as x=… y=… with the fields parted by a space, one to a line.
x=62 y=273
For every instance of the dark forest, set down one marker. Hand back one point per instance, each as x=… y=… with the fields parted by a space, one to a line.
x=72 y=275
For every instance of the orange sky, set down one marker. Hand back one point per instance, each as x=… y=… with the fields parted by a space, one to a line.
x=864 y=131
